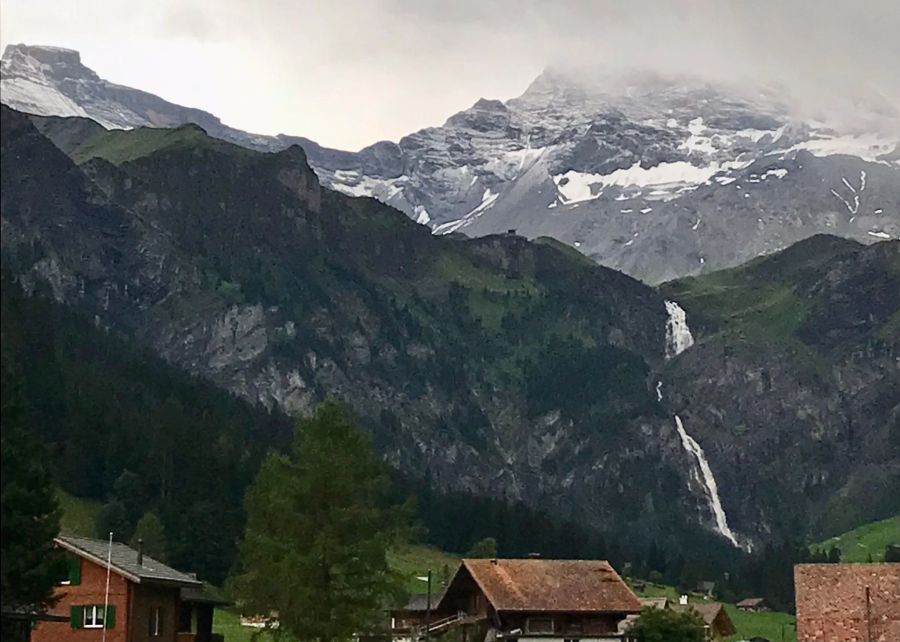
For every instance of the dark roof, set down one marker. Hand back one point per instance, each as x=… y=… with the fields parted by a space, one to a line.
x=711 y=613
x=31 y=614
x=124 y=561
x=552 y=585
x=204 y=594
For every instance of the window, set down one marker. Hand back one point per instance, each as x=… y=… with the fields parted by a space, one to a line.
x=539 y=625
x=156 y=621
x=73 y=571
x=93 y=616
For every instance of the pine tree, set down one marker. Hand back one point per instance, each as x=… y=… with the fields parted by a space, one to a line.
x=149 y=530
x=318 y=531
x=29 y=514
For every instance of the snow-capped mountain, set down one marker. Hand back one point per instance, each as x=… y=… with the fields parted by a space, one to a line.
x=658 y=177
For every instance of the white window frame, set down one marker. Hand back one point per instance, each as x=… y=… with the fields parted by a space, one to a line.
x=94 y=616
x=155 y=621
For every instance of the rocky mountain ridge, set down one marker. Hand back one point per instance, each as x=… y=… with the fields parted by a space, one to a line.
x=657 y=177
x=501 y=366
x=237 y=266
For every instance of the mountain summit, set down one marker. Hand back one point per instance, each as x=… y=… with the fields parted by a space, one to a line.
x=658 y=177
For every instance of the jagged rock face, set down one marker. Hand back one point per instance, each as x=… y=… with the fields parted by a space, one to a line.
x=657 y=177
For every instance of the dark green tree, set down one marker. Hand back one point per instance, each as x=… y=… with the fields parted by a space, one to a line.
x=660 y=625
x=319 y=526
x=892 y=553
x=149 y=530
x=485 y=548
x=113 y=518
x=29 y=514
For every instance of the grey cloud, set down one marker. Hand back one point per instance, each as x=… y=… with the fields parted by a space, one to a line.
x=348 y=73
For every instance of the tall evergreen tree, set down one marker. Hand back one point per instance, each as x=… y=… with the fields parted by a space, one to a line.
x=29 y=514
x=318 y=530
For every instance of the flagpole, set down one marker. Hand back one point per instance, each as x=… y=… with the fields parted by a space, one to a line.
x=106 y=595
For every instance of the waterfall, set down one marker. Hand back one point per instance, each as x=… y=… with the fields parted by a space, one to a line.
x=706 y=477
x=678 y=334
x=709 y=482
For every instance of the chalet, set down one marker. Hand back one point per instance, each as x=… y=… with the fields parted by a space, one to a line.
x=662 y=603
x=533 y=599
x=752 y=605
x=717 y=623
x=147 y=600
x=409 y=618
x=844 y=602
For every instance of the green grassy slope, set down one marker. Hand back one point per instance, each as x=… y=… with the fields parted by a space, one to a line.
x=759 y=297
x=121 y=146
x=870 y=539
x=79 y=516
x=415 y=561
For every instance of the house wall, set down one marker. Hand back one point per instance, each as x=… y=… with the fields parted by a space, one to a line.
x=90 y=590
x=145 y=599
x=831 y=602
x=565 y=625
x=131 y=601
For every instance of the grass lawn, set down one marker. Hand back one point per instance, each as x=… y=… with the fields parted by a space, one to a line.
x=79 y=516
x=869 y=539
x=768 y=625
x=228 y=624
x=414 y=561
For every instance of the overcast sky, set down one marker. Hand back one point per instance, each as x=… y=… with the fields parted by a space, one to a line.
x=349 y=72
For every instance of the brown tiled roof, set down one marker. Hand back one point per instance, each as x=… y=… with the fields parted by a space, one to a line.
x=552 y=585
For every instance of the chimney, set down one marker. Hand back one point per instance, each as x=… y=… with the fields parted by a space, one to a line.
x=140 y=551
x=494 y=561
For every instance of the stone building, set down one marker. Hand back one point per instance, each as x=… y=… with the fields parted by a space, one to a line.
x=848 y=602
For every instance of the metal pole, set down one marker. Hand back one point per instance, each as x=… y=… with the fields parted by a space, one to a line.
x=428 y=610
x=868 y=616
x=106 y=594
